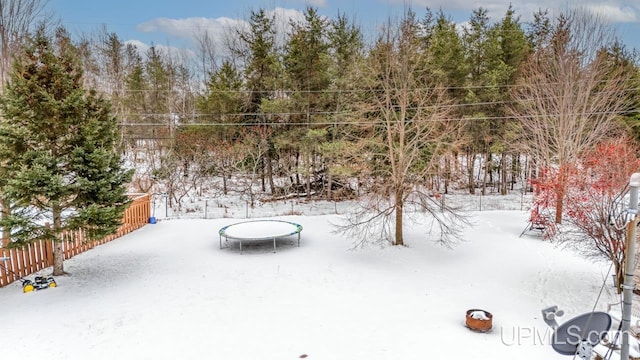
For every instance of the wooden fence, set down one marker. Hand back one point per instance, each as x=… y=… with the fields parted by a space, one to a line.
x=38 y=255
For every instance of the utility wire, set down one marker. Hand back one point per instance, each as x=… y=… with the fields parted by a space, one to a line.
x=362 y=90
x=337 y=122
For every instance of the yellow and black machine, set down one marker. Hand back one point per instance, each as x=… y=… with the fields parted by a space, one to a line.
x=38 y=282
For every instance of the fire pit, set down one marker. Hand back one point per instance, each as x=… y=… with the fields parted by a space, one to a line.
x=479 y=320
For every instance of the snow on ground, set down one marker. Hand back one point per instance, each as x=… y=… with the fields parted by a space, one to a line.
x=234 y=206
x=167 y=291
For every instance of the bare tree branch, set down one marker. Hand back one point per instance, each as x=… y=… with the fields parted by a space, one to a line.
x=409 y=129
x=570 y=94
x=17 y=18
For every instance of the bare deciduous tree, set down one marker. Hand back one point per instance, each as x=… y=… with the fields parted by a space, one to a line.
x=597 y=216
x=571 y=92
x=253 y=149
x=206 y=48
x=410 y=128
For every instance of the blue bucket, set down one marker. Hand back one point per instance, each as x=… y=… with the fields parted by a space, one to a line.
x=152 y=220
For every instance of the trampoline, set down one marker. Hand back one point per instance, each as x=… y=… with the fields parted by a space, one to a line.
x=256 y=230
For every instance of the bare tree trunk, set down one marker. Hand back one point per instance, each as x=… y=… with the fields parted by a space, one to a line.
x=329 y=183
x=559 y=209
x=487 y=171
x=471 y=159
x=58 y=255
x=263 y=184
x=6 y=233
x=560 y=190
x=224 y=183
x=516 y=171
x=297 y=166
x=399 y=205
x=447 y=174
x=269 y=167
x=503 y=174
x=309 y=170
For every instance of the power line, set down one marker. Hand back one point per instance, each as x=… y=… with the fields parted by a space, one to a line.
x=445 y=106
x=372 y=121
x=281 y=91
x=351 y=111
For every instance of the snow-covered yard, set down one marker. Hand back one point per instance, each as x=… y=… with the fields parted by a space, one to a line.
x=168 y=292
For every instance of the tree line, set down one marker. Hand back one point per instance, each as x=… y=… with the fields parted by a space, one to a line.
x=302 y=106
x=423 y=108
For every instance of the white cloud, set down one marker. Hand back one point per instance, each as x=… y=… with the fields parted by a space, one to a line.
x=461 y=27
x=316 y=3
x=174 y=52
x=447 y=5
x=615 y=14
x=218 y=28
x=142 y=47
x=214 y=33
x=615 y=11
x=215 y=30
x=187 y=28
x=284 y=17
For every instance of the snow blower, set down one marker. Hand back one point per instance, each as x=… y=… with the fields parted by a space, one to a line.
x=38 y=282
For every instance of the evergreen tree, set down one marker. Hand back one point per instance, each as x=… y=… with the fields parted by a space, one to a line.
x=160 y=78
x=445 y=54
x=60 y=139
x=506 y=58
x=478 y=135
x=445 y=60
x=539 y=30
x=221 y=103
x=494 y=54
x=307 y=63
x=262 y=68
x=260 y=58
x=347 y=54
x=134 y=101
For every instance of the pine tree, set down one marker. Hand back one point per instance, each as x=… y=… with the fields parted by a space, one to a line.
x=346 y=49
x=222 y=99
x=510 y=53
x=261 y=72
x=306 y=61
x=61 y=141
x=445 y=54
x=135 y=103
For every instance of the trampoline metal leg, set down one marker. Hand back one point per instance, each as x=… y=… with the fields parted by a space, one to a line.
x=274 y=245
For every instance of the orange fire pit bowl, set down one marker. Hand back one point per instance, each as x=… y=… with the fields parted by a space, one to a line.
x=479 y=320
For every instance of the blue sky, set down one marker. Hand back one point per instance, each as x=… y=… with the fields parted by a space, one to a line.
x=174 y=23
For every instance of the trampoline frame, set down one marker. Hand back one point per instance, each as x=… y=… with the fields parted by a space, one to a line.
x=240 y=239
